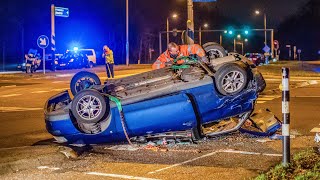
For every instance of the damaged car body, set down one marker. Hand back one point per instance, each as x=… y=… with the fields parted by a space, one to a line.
x=174 y=99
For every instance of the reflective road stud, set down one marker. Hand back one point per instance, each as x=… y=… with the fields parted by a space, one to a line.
x=286 y=117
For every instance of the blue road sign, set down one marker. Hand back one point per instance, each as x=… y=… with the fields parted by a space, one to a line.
x=266 y=49
x=61 y=12
x=204 y=0
x=43 y=41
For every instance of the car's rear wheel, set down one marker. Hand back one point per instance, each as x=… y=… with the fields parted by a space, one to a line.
x=231 y=79
x=83 y=80
x=89 y=106
x=214 y=51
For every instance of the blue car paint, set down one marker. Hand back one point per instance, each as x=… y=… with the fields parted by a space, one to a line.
x=174 y=112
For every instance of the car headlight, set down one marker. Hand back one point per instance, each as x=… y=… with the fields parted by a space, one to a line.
x=23 y=64
x=71 y=60
x=56 y=62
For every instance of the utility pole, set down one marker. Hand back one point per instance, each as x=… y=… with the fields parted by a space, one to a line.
x=3 y=55
x=190 y=23
x=234 y=45
x=168 y=29
x=272 y=44
x=265 y=29
x=200 y=36
x=127 y=32
x=220 y=39
x=53 y=34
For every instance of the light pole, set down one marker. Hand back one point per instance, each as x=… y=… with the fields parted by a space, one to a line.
x=127 y=32
x=168 y=27
x=257 y=12
x=200 y=32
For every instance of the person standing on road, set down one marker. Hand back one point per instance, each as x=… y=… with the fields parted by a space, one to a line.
x=108 y=55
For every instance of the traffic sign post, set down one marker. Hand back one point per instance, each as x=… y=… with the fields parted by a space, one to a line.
x=43 y=43
x=299 y=52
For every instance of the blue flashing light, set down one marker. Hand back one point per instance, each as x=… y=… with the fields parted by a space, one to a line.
x=246 y=32
x=75 y=48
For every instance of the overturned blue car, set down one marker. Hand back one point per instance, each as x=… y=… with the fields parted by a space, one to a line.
x=180 y=98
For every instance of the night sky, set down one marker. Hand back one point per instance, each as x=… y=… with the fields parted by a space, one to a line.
x=93 y=23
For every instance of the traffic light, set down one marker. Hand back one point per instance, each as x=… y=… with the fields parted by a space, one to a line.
x=230 y=32
x=246 y=32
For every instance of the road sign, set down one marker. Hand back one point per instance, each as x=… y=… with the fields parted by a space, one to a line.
x=43 y=41
x=299 y=51
x=266 y=49
x=61 y=12
x=204 y=0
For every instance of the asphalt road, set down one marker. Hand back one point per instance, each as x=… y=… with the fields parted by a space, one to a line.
x=22 y=98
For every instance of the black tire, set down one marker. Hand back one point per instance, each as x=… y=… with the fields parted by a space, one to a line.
x=83 y=80
x=214 y=51
x=231 y=79
x=83 y=103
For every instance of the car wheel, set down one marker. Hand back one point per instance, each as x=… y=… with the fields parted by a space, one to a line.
x=83 y=80
x=214 y=51
x=230 y=79
x=89 y=106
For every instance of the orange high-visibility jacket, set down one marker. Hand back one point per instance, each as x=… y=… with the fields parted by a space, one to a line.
x=185 y=50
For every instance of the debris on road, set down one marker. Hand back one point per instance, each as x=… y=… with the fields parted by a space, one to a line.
x=262 y=123
x=69 y=153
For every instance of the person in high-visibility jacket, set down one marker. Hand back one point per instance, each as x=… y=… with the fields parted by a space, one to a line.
x=175 y=51
x=108 y=55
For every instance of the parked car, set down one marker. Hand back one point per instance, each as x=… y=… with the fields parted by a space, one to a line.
x=77 y=59
x=178 y=98
x=256 y=58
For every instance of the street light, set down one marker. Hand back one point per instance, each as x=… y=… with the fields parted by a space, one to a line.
x=174 y=16
x=239 y=36
x=257 y=12
x=246 y=40
x=206 y=25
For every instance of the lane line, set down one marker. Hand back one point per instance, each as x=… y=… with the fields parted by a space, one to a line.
x=17 y=109
x=261 y=102
x=39 y=92
x=185 y=162
x=265 y=98
x=119 y=176
x=47 y=167
x=212 y=153
x=10 y=95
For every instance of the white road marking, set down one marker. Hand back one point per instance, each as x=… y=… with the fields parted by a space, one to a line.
x=61 y=89
x=39 y=92
x=212 y=153
x=64 y=75
x=10 y=95
x=10 y=86
x=315 y=130
x=261 y=102
x=119 y=176
x=46 y=167
x=56 y=82
x=17 y=109
x=266 y=98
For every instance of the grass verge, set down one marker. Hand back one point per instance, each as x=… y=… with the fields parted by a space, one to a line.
x=304 y=165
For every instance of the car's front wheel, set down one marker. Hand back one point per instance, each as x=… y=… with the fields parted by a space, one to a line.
x=89 y=106
x=231 y=79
